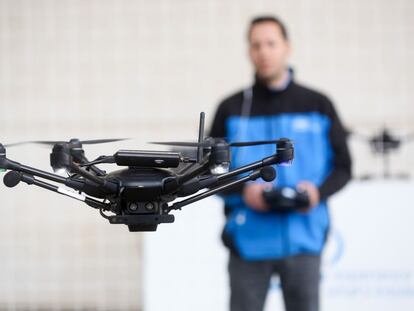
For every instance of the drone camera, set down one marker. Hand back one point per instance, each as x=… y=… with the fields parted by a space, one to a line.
x=143 y=207
x=143 y=216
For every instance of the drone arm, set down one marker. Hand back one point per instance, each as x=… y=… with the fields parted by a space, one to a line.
x=267 y=173
x=87 y=175
x=93 y=184
x=198 y=170
x=12 y=179
x=195 y=184
x=98 y=181
x=93 y=168
x=82 y=185
x=272 y=160
x=178 y=183
x=187 y=168
x=15 y=166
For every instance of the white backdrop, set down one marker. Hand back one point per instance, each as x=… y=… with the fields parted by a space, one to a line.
x=368 y=261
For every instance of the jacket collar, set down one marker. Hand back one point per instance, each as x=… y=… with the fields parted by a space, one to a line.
x=261 y=88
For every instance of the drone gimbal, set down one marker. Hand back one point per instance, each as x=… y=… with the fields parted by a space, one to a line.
x=143 y=194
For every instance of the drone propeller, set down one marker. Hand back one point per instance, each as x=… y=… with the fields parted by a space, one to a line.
x=14 y=144
x=74 y=140
x=64 y=152
x=82 y=142
x=209 y=142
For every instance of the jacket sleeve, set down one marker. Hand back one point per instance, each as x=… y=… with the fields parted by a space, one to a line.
x=341 y=171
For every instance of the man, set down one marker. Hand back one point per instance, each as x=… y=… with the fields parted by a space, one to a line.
x=264 y=242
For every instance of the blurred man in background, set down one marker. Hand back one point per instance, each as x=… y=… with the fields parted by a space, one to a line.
x=264 y=242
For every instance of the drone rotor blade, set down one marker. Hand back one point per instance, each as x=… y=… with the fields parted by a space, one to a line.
x=46 y=142
x=101 y=141
x=32 y=142
x=54 y=142
x=15 y=144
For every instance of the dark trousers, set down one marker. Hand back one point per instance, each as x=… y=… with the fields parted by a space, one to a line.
x=299 y=276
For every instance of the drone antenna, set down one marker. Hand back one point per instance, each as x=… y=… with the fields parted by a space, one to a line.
x=200 y=138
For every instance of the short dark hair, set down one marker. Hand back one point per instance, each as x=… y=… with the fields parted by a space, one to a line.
x=266 y=19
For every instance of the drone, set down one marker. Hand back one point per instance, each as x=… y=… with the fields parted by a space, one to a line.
x=143 y=192
x=384 y=143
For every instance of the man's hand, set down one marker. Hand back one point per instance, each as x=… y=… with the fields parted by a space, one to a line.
x=253 y=196
x=312 y=191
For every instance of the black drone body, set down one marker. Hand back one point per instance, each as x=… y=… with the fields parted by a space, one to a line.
x=143 y=193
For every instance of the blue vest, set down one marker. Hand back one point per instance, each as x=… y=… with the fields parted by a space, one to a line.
x=270 y=235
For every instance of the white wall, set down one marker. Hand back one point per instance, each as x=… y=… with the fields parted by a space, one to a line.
x=145 y=69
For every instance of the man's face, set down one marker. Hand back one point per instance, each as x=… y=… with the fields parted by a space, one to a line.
x=268 y=50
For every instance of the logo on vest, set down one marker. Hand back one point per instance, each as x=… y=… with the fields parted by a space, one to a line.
x=305 y=125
